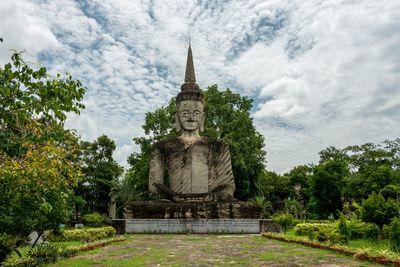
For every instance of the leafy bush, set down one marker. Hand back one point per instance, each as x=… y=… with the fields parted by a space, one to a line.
x=379 y=211
x=307 y=229
x=20 y=262
x=394 y=235
x=361 y=230
x=95 y=219
x=295 y=208
x=45 y=253
x=322 y=232
x=266 y=206
x=285 y=220
x=7 y=244
x=84 y=234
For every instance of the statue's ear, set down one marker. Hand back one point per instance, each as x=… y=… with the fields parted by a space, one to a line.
x=202 y=122
x=177 y=122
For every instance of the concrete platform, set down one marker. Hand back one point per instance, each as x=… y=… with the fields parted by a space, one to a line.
x=198 y=226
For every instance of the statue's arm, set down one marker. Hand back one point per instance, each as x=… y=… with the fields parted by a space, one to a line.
x=156 y=174
x=226 y=170
x=223 y=167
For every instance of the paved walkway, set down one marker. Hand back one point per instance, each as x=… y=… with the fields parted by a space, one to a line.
x=208 y=250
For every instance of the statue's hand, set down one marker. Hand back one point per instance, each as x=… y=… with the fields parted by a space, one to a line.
x=164 y=191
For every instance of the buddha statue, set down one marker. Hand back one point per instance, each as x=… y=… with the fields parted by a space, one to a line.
x=198 y=167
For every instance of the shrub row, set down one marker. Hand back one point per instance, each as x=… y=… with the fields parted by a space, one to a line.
x=83 y=234
x=308 y=229
x=47 y=253
x=322 y=232
x=357 y=229
x=95 y=219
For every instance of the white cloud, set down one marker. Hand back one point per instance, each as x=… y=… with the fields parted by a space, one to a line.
x=22 y=30
x=321 y=72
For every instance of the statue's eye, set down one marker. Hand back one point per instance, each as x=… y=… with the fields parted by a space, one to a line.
x=196 y=113
x=184 y=113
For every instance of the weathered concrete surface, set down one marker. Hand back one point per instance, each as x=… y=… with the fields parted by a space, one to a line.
x=201 y=226
x=191 y=210
x=195 y=165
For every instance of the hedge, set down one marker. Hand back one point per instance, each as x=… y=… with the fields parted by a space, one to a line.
x=83 y=234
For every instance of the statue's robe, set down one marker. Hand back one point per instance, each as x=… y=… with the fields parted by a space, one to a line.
x=195 y=165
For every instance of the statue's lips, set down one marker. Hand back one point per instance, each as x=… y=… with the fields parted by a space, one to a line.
x=190 y=124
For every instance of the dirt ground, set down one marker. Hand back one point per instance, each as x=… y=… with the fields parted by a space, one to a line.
x=208 y=250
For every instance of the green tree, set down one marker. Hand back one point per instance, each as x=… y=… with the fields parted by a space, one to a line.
x=27 y=94
x=227 y=117
x=373 y=167
x=326 y=186
x=100 y=173
x=332 y=153
x=377 y=210
x=37 y=155
x=299 y=180
x=36 y=189
x=275 y=188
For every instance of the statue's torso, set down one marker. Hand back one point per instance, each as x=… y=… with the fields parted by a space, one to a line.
x=195 y=165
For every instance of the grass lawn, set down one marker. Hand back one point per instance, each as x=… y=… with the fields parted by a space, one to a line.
x=207 y=250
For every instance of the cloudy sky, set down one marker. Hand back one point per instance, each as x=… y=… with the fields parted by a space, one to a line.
x=321 y=72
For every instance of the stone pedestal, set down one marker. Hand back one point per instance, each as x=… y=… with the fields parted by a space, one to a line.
x=191 y=210
x=193 y=226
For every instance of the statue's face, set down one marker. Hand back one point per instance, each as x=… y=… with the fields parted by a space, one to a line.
x=190 y=115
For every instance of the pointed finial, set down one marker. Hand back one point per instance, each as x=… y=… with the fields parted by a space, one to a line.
x=190 y=76
x=190 y=90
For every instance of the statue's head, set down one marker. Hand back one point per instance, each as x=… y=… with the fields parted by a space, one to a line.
x=190 y=115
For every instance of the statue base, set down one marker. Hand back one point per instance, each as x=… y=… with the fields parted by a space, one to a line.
x=196 y=226
x=159 y=209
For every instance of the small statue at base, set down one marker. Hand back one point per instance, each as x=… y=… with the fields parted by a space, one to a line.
x=199 y=168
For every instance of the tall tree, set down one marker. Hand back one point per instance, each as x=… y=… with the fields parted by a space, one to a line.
x=100 y=173
x=326 y=185
x=27 y=94
x=37 y=166
x=227 y=117
x=275 y=188
x=299 y=181
x=373 y=167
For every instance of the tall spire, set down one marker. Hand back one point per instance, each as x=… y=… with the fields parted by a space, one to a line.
x=189 y=89
x=190 y=77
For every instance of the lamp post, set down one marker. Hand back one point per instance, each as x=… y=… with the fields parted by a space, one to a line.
x=297 y=188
